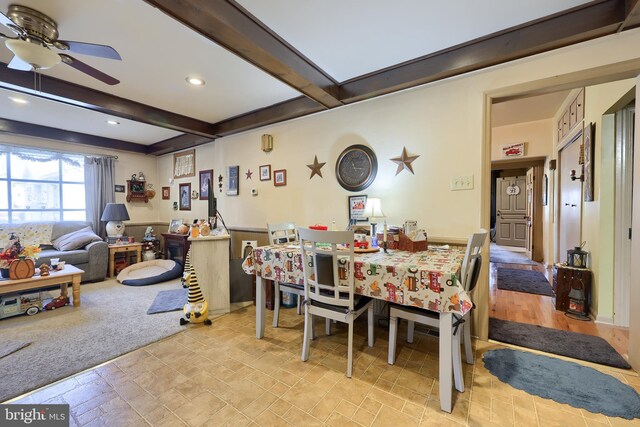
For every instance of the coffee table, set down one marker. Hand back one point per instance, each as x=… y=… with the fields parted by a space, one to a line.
x=69 y=274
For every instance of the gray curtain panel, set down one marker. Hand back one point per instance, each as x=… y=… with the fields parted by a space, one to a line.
x=99 y=180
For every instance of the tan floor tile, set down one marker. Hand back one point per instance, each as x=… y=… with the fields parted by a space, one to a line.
x=502 y=413
x=269 y=419
x=198 y=410
x=280 y=407
x=304 y=395
x=170 y=420
x=480 y=411
x=415 y=381
x=386 y=398
x=260 y=404
x=413 y=410
x=370 y=405
x=346 y=408
x=336 y=419
x=552 y=417
x=325 y=407
x=298 y=417
x=89 y=416
x=388 y=416
x=410 y=395
x=596 y=423
x=279 y=389
x=363 y=417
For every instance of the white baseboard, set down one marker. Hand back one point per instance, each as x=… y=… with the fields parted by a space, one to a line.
x=604 y=319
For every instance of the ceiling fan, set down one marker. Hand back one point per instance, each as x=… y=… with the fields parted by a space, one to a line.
x=37 y=34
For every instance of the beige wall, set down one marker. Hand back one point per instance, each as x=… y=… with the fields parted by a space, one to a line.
x=634 y=315
x=538 y=136
x=126 y=165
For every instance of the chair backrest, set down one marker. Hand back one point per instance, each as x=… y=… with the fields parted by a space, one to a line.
x=318 y=247
x=284 y=232
x=472 y=260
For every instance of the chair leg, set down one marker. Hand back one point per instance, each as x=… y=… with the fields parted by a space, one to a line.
x=370 y=324
x=456 y=357
x=276 y=301
x=306 y=343
x=411 y=325
x=299 y=305
x=393 y=332
x=313 y=327
x=350 y=349
x=327 y=326
x=466 y=334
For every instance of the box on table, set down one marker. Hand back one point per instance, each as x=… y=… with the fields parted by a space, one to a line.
x=406 y=244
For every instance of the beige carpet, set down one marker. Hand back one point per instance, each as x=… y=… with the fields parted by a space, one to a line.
x=8 y=347
x=111 y=321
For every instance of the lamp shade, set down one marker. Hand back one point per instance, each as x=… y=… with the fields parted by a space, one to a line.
x=115 y=213
x=38 y=56
x=373 y=208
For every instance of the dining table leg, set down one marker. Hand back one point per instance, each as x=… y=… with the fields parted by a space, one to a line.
x=260 y=306
x=445 y=362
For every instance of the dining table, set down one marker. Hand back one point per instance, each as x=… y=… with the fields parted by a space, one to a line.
x=426 y=279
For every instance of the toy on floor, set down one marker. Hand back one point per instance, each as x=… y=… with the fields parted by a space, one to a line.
x=196 y=309
x=187 y=269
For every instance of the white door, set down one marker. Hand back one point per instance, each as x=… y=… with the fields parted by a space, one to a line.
x=511 y=211
x=569 y=200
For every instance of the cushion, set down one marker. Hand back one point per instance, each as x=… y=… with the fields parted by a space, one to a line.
x=30 y=233
x=150 y=272
x=76 y=240
x=74 y=257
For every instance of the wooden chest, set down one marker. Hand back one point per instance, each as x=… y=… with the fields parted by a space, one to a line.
x=565 y=278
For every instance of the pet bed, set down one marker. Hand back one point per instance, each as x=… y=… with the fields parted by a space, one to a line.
x=150 y=272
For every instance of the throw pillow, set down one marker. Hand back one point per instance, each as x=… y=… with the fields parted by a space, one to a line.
x=5 y=233
x=34 y=233
x=75 y=239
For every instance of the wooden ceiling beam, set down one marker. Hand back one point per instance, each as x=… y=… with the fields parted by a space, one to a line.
x=585 y=22
x=91 y=99
x=632 y=20
x=14 y=127
x=229 y=25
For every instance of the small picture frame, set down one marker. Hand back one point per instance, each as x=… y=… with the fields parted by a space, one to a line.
x=280 y=178
x=233 y=173
x=356 y=208
x=184 y=164
x=588 y=161
x=265 y=173
x=174 y=224
x=205 y=176
x=118 y=188
x=166 y=193
x=185 y=196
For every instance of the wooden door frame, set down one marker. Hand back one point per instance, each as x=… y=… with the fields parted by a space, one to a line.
x=537 y=163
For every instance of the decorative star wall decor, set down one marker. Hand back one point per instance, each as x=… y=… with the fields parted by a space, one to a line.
x=404 y=161
x=220 y=183
x=248 y=173
x=315 y=167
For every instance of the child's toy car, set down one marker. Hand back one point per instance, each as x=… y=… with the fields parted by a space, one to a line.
x=60 y=301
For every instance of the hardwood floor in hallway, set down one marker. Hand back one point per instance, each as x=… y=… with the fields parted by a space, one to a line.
x=539 y=310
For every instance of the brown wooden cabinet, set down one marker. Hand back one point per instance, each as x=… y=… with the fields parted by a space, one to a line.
x=176 y=246
x=571 y=116
x=565 y=278
x=137 y=191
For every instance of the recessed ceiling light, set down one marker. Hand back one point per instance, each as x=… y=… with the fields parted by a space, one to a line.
x=18 y=100
x=113 y=122
x=196 y=81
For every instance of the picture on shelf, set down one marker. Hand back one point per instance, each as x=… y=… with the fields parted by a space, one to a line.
x=232 y=180
x=185 y=196
x=205 y=176
x=356 y=208
x=265 y=173
x=174 y=225
x=280 y=177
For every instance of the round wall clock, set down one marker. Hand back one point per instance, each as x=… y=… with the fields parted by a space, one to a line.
x=356 y=167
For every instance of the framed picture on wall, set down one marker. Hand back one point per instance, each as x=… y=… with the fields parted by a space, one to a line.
x=280 y=178
x=184 y=164
x=174 y=224
x=265 y=173
x=166 y=193
x=356 y=208
x=588 y=142
x=185 y=196
x=232 y=180
x=205 y=177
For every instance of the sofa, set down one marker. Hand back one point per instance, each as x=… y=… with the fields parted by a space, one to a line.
x=93 y=257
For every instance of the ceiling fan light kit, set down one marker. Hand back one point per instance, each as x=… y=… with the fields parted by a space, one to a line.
x=38 y=56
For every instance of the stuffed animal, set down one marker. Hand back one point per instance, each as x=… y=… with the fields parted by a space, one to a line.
x=196 y=309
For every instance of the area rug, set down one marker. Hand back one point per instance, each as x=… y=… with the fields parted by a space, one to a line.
x=529 y=281
x=111 y=321
x=171 y=300
x=498 y=254
x=565 y=343
x=8 y=347
x=564 y=382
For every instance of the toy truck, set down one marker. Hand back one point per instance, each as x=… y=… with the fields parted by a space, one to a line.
x=15 y=304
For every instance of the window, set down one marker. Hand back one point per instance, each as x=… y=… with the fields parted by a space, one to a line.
x=40 y=186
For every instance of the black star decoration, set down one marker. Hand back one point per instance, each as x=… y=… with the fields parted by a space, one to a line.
x=315 y=167
x=248 y=173
x=404 y=161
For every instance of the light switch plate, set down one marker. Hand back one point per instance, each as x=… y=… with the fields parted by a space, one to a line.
x=462 y=182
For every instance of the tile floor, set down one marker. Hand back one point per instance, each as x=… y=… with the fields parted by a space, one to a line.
x=221 y=375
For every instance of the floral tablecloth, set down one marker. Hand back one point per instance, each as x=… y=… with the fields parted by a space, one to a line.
x=422 y=279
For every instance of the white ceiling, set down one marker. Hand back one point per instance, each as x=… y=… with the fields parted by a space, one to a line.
x=344 y=38
x=527 y=109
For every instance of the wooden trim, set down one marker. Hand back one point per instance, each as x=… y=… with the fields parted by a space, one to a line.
x=90 y=99
x=14 y=127
x=521 y=163
x=632 y=20
x=234 y=28
x=537 y=254
x=582 y=23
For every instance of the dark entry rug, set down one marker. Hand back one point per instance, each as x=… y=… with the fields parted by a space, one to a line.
x=564 y=382
x=565 y=343
x=498 y=254
x=171 y=300
x=529 y=281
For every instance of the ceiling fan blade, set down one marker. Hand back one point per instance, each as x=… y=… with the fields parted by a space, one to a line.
x=4 y=20
x=89 y=70
x=18 y=64
x=99 y=50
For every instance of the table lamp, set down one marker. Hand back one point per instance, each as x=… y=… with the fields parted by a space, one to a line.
x=115 y=213
x=373 y=210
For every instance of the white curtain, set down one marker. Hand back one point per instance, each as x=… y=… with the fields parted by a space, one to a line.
x=99 y=180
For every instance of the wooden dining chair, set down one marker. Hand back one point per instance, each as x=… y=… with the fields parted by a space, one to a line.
x=469 y=274
x=285 y=232
x=332 y=295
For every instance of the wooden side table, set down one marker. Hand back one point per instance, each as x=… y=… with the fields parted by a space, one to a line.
x=176 y=246
x=564 y=279
x=126 y=248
